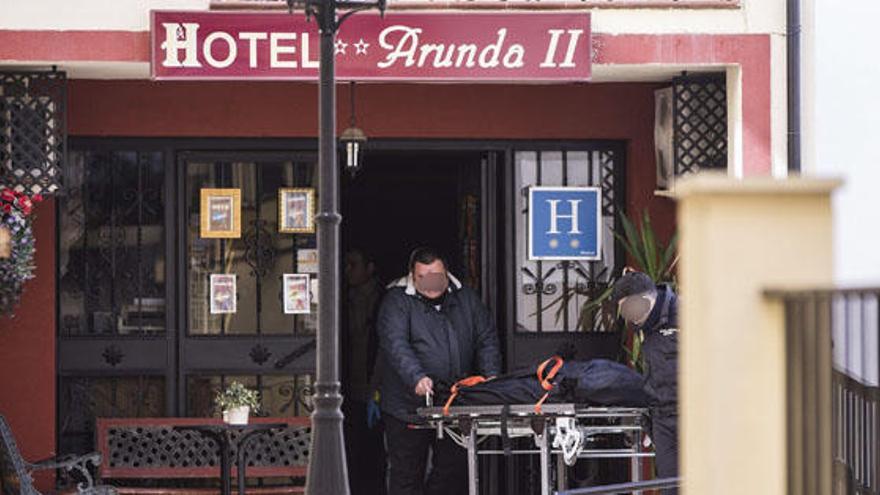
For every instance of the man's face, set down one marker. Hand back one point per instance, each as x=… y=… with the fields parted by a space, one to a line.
x=636 y=308
x=430 y=279
x=356 y=271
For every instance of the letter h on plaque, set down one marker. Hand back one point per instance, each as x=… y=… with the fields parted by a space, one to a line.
x=565 y=223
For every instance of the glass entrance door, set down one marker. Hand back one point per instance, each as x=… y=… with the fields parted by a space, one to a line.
x=136 y=333
x=235 y=320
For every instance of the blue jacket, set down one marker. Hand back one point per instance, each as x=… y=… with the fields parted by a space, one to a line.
x=418 y=340
x=660 y=348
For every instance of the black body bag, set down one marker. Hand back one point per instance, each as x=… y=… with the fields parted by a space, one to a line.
x=595 y=382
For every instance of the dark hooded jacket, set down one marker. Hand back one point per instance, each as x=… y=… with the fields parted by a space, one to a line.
x=660 y=348
x=417 y=339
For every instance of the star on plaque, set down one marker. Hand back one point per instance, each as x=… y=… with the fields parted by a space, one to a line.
x=361 y=47
x=340 y=47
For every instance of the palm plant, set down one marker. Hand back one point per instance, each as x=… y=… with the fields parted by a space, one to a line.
x=650 y=257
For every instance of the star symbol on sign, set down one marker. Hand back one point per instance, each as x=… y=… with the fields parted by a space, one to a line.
x=340 y=47
x=361 y=47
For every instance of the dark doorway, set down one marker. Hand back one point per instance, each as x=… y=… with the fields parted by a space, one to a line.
x=403 y=200
x=398 y=202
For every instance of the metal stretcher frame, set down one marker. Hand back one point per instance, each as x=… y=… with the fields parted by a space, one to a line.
x=469 y=426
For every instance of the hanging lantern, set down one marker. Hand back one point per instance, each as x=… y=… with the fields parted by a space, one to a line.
x=353 y=141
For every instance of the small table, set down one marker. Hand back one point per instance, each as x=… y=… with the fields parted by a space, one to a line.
x=222 y=433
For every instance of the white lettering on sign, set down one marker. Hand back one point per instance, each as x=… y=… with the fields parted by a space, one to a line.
x=184 y=38
x=406 y=48
x=252 y=39
x=550 y=57
x=181 y=37
x=412 y=47
x=208 y=49
x=306 y=63
x=555 y=216
x=277 y=49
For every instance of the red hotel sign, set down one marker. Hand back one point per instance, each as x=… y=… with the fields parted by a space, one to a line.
x=398 y=47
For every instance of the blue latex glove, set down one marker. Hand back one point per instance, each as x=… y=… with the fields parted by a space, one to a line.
x=373 y=414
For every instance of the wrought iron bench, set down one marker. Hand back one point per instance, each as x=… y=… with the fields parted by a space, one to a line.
x=15 y=472
x=155 y=449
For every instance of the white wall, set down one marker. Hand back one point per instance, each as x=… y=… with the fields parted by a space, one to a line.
x=842 y=127
x=755 y=16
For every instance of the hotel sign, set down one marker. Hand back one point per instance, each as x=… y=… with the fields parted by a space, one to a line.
x=501 y=47
x=565 y=223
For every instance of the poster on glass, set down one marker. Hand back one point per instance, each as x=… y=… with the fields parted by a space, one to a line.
x=296 y=293
x=222 y=294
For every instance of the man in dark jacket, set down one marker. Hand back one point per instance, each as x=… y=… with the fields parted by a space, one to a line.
x=431 y=329
x=653 y=310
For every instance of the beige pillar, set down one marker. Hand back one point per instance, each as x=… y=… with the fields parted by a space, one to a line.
x=739 y=238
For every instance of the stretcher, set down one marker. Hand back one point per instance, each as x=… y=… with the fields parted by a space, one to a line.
x=566 y=431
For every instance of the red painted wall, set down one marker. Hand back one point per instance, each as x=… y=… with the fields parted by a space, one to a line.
x=283 y=109
x=27 y=353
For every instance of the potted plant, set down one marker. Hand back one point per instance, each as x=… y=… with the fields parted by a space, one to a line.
x=236 y=403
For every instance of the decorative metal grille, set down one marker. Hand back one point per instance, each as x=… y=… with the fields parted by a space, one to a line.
x=553 y=293
x=112 y=243
x=280 y=395
x=699 y=123
x=163 y=446
x=81 y=399
x=33 y=130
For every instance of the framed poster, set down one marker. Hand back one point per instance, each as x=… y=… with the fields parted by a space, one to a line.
x=222 y=294
x=565 y=223
x=220 y=215
x=297 y=299
x=296 y=210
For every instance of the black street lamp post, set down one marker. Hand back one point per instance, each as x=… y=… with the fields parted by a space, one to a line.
x=327 y=468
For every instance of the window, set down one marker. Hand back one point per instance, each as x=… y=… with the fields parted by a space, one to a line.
x=551 y=295
x=111 y=266
x=258 y=259
x=136 y=335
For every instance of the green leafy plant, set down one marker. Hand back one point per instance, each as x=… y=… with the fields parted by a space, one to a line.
x=237 y=395
x=650 y=256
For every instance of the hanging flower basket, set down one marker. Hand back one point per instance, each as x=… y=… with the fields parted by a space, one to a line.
x=16 y=258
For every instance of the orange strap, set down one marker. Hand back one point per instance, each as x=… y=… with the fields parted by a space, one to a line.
x=464 y=382
x=546 y=381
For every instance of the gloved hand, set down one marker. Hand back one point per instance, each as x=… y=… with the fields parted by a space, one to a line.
x=373 y=412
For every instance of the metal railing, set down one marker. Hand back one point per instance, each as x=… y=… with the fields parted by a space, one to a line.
x=833 y=391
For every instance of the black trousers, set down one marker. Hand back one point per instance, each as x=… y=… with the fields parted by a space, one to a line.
x=365 y=451
x=664 y=433
x=408 y=459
